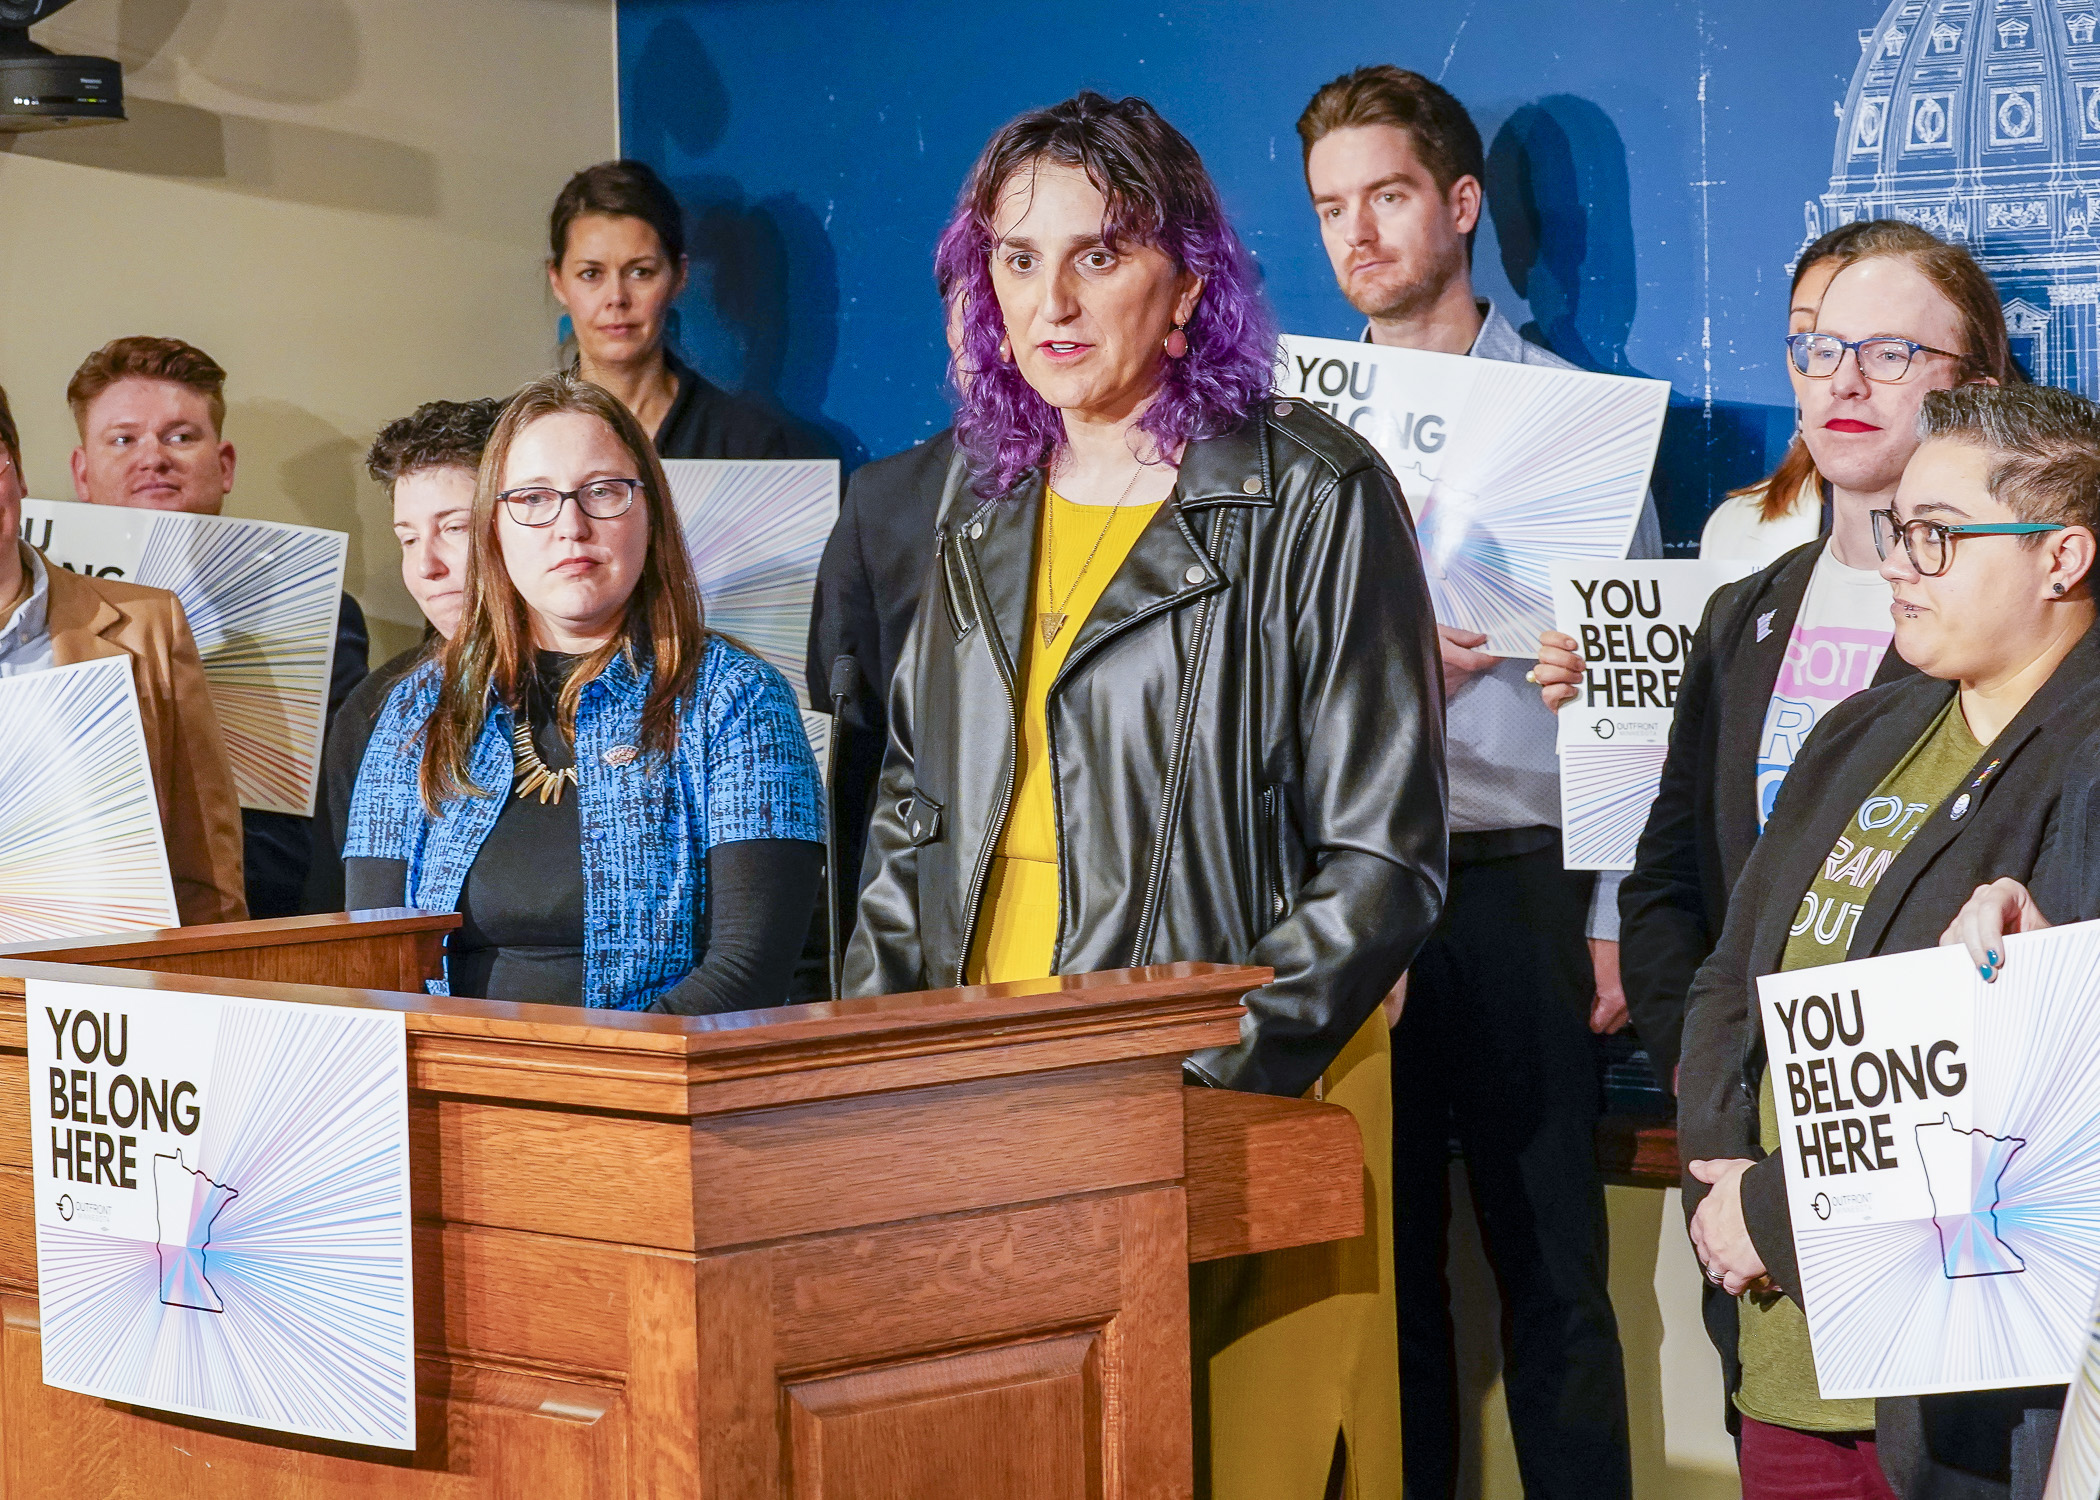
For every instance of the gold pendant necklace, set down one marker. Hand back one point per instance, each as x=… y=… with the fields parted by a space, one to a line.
x=533 y=773
x=1053 y=620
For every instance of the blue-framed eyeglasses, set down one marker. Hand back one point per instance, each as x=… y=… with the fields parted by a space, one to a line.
x=1930 y=544
x=1882 y=360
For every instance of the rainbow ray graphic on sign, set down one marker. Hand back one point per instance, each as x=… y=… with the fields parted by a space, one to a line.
x=1605 y=794
x=1948 y=1228
x=755 y=529
x=262 y=600
x=1506 y=467
x=1535 y=470
x=80 y=840
x=222 y=1208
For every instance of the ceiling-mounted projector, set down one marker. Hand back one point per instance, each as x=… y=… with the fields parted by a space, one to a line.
x=40 y=91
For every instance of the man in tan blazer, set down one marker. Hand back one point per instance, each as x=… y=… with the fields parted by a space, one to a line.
x=50 y=617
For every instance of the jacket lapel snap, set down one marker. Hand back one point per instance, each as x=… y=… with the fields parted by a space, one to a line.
x=1165 y=569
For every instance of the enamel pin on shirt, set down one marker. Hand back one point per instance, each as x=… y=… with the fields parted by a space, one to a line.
x=621 y=755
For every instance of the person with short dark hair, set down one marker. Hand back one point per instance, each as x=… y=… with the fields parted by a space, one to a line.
x=1987 y=546
x=54 y=617
x=427 y=463
x=616 y=262
x=1493 y=1046
x=151 y=414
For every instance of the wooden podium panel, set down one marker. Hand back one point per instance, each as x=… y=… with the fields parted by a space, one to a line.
x=921 y=1245
x=394 y=949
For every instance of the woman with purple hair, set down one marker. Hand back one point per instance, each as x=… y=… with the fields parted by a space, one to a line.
x=1171 y=695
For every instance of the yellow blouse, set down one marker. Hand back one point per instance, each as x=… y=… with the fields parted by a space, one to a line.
x=1017 y=929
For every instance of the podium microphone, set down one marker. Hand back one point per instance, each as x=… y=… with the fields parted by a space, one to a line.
x=845 y=687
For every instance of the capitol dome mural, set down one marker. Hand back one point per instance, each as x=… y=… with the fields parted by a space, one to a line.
x=1980 y=121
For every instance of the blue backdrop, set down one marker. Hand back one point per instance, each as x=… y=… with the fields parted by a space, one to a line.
x=1653 y=169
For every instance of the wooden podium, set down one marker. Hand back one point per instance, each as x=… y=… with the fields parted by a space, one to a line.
x=928 y=1245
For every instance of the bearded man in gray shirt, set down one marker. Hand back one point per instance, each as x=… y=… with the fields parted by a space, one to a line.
x=1492 y=1047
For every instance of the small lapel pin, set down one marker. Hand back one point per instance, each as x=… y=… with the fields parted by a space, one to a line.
x=1961 y=807
x=1985 y=774
x=621 y=755
x=1764 y=623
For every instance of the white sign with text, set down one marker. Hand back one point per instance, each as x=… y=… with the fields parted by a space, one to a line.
x=1633 y=623
x=221 y=1205
x=1941 y=1139
x=1505 y=466
x=262 y=600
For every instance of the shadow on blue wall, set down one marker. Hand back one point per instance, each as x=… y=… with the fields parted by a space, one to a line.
x=1558 y=196
x=764 y=296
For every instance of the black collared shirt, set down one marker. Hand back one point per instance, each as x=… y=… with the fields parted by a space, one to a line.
x=706 y=421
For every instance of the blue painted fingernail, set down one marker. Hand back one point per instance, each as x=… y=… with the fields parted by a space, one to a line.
x=1989 y=973
x=1990 y=956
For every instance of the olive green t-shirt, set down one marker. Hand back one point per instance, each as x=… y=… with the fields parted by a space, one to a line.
x=1779 y=1372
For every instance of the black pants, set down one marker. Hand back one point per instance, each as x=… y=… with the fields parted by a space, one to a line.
x=1493 y=1050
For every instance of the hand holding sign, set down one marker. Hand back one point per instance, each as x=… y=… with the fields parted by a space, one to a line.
x=1991 y=912
x=1559 y=670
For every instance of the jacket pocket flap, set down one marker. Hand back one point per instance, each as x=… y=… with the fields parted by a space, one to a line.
x=921 y=817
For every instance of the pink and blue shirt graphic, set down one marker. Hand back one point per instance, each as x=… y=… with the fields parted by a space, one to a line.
x=1833 y=651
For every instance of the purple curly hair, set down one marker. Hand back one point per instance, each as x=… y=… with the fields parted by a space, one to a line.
x=1159 y=194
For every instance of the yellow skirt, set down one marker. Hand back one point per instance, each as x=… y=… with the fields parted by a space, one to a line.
x=1296 y=1346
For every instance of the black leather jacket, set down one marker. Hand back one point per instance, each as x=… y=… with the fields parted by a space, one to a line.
x=1247 y=740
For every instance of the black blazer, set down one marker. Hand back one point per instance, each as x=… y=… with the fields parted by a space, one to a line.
x=2016 y=825
x=868 y=588
x=1704 y=822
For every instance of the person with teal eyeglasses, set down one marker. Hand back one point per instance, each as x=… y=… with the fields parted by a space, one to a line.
x=1929 y=544
x=1903 y=801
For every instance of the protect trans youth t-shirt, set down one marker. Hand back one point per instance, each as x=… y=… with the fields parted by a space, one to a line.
x=1839 y=637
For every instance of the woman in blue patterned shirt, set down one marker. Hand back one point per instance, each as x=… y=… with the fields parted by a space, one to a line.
x=621 y=806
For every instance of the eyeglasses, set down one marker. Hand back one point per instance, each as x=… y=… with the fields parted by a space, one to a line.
x=1930 y=545
x=1883 y=360
x=601 y=500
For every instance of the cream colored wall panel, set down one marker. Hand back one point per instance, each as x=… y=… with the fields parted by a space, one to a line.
x=343 y=201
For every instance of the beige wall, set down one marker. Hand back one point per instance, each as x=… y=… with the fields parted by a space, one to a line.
x=343 y=201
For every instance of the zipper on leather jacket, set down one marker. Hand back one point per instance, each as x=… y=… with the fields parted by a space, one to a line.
x=1177 y=767
x=1170 y=798
x=974 y=908
x=1271 y=856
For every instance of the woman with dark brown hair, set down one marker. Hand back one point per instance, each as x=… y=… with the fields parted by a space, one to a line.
x=616 y=263
x=681 y=873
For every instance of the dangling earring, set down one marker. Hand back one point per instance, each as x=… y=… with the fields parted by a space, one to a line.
x=1006 y=351
x=1177 y=343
